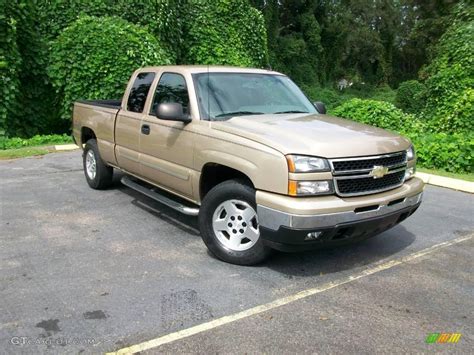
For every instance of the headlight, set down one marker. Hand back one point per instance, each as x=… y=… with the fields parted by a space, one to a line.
x=308 y=188
x=305 y=164
x=411 y=153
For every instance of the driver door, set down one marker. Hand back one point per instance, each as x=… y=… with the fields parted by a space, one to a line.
x=167 y=146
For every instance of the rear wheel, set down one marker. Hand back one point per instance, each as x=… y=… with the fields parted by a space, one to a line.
x=98 y=174
x=229 y=224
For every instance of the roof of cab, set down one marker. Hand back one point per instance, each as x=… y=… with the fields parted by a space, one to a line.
x=195 y=69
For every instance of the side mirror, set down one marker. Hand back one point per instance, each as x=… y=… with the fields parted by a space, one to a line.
x=172 y=111
x=320 y=107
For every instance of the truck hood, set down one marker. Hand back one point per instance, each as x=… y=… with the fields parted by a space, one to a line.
x=314 y=134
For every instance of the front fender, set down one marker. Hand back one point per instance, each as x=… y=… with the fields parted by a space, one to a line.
x=267 y=170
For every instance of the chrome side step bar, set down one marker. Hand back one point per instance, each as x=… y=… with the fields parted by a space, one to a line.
x=190 y=211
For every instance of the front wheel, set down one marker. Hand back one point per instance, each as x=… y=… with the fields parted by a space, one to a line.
x=229 y=224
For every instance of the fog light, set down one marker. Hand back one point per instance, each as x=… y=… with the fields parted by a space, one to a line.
x=313 y=235
x=409 y=173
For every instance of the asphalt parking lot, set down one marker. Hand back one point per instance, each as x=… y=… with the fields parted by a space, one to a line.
x=83 y=271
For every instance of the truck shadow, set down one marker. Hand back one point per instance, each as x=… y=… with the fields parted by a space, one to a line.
x=337 y=259
x=300 y=264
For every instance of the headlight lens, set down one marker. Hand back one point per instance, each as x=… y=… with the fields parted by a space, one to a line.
x=308 y=188
x=305 y=164
x=411 y=153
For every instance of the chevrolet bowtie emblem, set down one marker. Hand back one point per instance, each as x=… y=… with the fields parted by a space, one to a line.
x=378 y=171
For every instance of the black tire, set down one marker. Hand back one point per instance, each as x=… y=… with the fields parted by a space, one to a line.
x=226 y=191
x=104 y=174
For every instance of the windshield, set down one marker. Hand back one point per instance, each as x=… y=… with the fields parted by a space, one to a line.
x=222 y=96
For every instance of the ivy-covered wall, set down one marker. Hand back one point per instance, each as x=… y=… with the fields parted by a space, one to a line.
x=53 y=52
x=228 y=32
x=10 y=62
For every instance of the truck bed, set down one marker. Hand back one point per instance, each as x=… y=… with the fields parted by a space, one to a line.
x=99 y=117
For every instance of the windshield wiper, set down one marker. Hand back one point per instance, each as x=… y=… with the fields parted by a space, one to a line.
x=239 y=113
x=292 y=111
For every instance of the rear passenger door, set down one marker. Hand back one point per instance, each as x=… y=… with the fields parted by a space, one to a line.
x=167 y=148
x=128 y=123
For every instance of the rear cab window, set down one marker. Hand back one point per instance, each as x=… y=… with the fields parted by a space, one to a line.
x=139 y=92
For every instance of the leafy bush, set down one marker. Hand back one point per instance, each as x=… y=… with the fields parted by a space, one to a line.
x=330 y=97
x=228 y=32
x=450 y=76
x=409 y=97
x=94 y=58
x=163 y=18
x=459 y=116
x=12 y=143
x=376 y=113
x=451 y=152
x=333 y=98
x=384 y=93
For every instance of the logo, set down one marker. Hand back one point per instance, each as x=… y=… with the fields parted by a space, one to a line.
x=443 y=338
x=378 y=171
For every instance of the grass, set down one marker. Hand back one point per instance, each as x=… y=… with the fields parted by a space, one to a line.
x=24 y=152
x=466 y=176
x=35 y=141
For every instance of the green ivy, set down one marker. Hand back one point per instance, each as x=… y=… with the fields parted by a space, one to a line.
x=377 y=113
x=227 y=32
x=451 y=152
x=28 y=105
x=94 y=58
x=450 y=77
x=56 y=15
x=10 y=61
x=409 y=96
x=40 y=58
x=163 y=18
x=333 y=98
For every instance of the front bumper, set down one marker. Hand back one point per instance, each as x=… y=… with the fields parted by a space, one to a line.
x=352 y=219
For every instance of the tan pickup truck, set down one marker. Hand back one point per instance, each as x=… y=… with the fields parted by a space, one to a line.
x=247 y=152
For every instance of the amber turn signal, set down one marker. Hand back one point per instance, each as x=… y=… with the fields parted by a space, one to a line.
x=292 y=188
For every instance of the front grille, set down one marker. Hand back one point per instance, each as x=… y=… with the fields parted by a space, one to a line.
x=368 y=163
x=369 y=184
x=353 y=176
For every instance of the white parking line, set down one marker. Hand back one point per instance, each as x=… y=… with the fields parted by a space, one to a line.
x=283 y=301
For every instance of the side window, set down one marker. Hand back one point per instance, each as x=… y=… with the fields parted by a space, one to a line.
x=139 y=92
x=171 y=88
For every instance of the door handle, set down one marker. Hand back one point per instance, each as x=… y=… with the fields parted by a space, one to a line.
x=145 y=129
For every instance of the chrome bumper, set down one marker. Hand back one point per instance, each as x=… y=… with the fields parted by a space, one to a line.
x=274 y=219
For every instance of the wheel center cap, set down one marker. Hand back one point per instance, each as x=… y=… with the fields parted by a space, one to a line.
x=237 y=223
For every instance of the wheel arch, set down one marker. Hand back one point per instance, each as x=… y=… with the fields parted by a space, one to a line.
x=86 y=134
x=213 y=173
